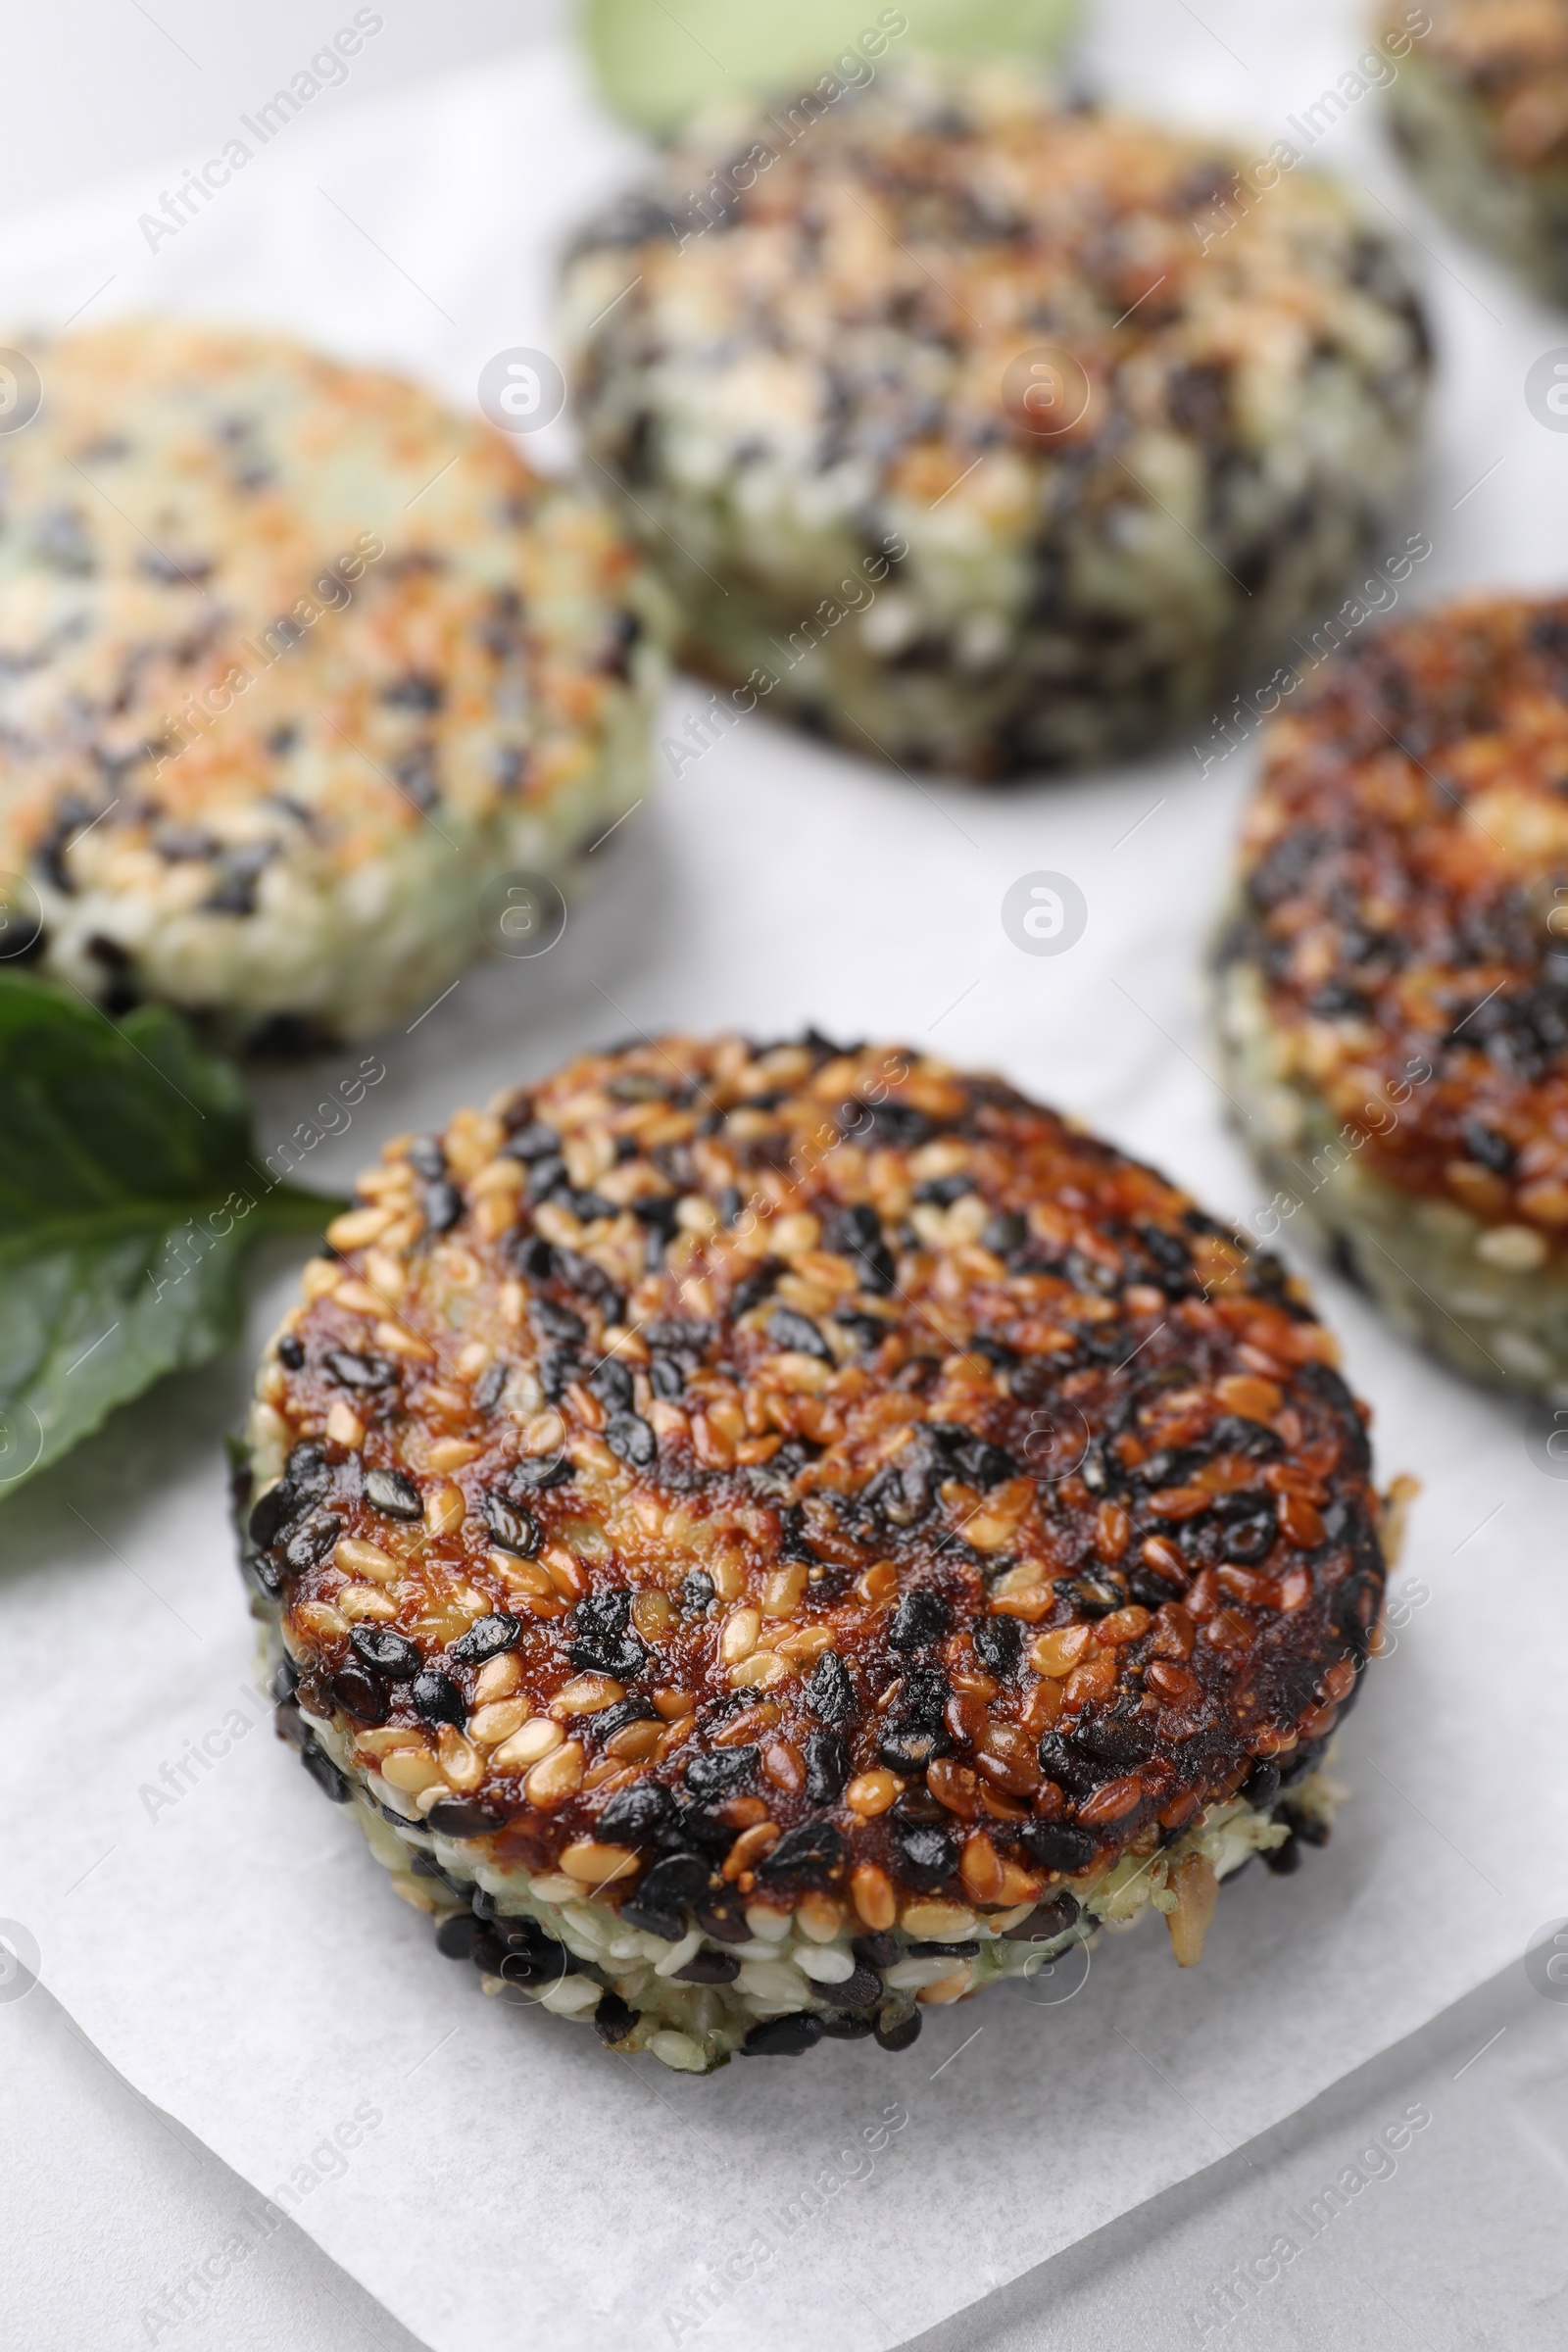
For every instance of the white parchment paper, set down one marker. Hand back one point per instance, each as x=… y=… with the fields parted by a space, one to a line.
x=218 y=1929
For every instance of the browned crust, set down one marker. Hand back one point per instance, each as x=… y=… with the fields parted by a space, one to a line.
x=1510 y=60
x=1405 y=867
x=1082 y=1377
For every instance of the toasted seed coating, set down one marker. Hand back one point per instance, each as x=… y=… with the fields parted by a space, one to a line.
x=293 y=662
x=1396 y=977
x=1480 y=109
x=812 y=382
x=1006 y=1521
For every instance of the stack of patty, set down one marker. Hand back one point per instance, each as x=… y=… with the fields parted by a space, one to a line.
x=1395 y=985
x=771 y=1538
x=986 y=432
x=293 y=664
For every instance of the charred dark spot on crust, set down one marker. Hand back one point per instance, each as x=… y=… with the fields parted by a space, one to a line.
x=1382 y=904
x=877 y=1509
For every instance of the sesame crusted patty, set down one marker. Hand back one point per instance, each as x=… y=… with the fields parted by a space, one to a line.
x=293 y=662
x=723 y=1495
x=1396 y=981
x=1480 y=111
x=986 y=432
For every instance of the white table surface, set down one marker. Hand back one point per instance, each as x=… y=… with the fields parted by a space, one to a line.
x=116 y=2221
x=110 y=2212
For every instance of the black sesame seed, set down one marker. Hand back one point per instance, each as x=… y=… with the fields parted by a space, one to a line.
x=1056 y=1848
x=457 y=1934
x=929 y=1855
x=612 y=1382
x=426 y=1158
x=827 y=1768
x=783 y=2036
x=910 y=1747
x=711 y=1968
x=532 y=1256
x=1490 y=1149
x=863 y=1991
x=536 y=1141
x=649 y=1920
x=312 y=1544
x=942 y=1191
x=1154 y=1591
x=605 y=1722
x=361 y=1371
x=360 y=1694
x=600 y=1643
x=630 y=1438
x=443 y=1206
x=877 y=1951
x=829 y=1692
x=390 y=1492
x=385 y=1652
x=808 y=1855
x=557 y=1322
x=536 y=1472
x=753 y=1290
x=459 y=1817
x=1282 y=1860
x=1262 y=1785
x=275 y=1510
x=1091 y=1595
x=613 y=2019
x=919 y=1619
x=413 y=691
x=1234 y=1434
x=1062 y=1761
x=487 y=1392
x=487 y=1639
x=1250 y=1541
x=866 y=1331
x=1117 y=1739
x=997 y=1642
x=307 y=1468
x=857 y=1234
x=636 y=1813
x=1048 y=1921
x=436 y=1697
x=840 y=2027
x=1004 y=1233
x=695 y=1593
x=514 y=1528
x=922 y=1694
x=676 y=1880
x=799 y=1333
x=721 y=1771
x=291 y=1352
x=896 y=2027
x=665 y=1377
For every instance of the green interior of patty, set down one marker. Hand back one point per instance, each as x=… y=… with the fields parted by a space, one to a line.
x=655 y=66
x=1427 y=1262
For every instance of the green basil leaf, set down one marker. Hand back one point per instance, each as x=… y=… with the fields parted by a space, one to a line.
x=655 y=66
x=129 y=1194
